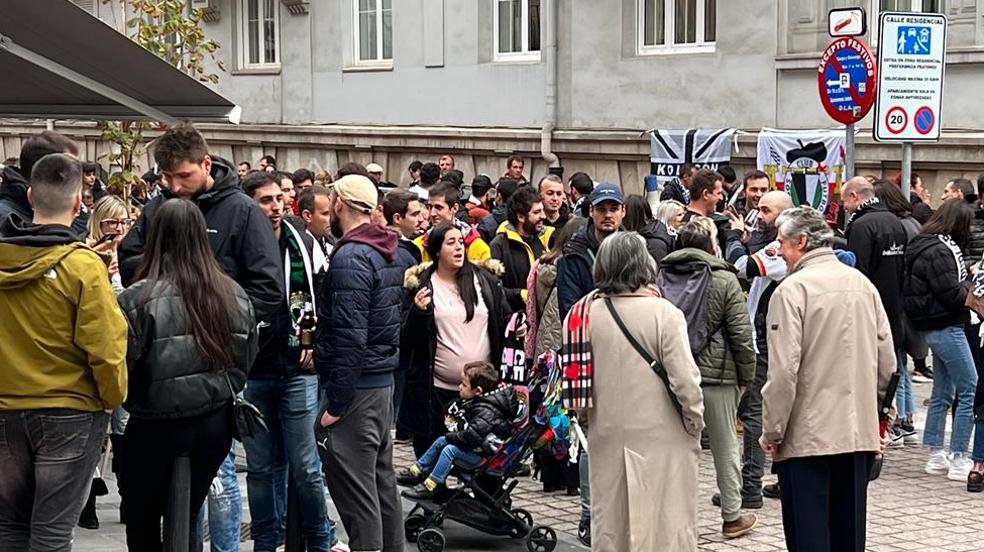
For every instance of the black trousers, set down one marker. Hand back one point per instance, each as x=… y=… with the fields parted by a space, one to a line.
x=152 y=447
x=440 y=400
x=824 y=501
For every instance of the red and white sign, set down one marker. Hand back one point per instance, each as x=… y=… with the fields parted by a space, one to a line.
x=896 y=120
x=847 y=22
x=847 y=80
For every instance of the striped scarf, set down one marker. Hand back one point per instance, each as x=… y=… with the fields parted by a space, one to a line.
x=576 y=356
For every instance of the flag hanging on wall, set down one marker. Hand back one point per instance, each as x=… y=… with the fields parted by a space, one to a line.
x=708 y=148
x=808 y=164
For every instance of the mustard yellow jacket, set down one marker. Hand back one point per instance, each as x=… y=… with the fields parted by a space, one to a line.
x=62 y=336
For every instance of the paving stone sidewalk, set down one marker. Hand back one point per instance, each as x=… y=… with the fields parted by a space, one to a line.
x=908 y=510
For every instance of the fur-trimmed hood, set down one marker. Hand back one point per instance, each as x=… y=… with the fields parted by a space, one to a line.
x=411 y=278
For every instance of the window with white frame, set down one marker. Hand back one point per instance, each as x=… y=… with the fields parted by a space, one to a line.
x=878 y=6
x=516 y=30
x=259 y=34
x=373 y=32
x=671 y=26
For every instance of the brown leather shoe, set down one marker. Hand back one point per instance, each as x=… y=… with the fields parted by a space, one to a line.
x=741 y=526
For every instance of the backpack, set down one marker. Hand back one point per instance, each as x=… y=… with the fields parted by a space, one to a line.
x=688 y=287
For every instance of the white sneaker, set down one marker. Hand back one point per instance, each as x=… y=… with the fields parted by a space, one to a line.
x=895 y=438
x=960 y=467
x=919 y=378
x=938 y=463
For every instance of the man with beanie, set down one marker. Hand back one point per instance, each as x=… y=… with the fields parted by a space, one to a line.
x=356 y=352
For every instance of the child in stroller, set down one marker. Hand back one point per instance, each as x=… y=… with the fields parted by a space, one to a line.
x=481 y=422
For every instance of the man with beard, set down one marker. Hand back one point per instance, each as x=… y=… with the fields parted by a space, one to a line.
x=759 y=262
x=283 y=386
x=520 y=242
x=356 y=352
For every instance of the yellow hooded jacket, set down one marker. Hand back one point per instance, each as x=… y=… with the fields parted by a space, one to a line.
x=63 y=336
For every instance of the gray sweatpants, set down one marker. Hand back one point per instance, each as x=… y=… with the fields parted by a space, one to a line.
x=720 y=414
x=358 y=463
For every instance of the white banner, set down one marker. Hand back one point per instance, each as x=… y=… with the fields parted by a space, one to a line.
x=708 y=148
x=809 y=164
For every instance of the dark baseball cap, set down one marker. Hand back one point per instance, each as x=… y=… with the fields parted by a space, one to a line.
x=606 y=191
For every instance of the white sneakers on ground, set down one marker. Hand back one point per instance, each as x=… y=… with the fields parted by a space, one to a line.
x=939 y=462
x=960 y=466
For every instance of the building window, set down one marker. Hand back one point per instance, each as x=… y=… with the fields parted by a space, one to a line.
x=925 y=6
x=373 y=32
x=674 y=26
x=516 y=30
x=259 y=36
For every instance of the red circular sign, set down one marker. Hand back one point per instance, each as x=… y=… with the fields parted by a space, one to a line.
x=847 y=78
x=896 y=119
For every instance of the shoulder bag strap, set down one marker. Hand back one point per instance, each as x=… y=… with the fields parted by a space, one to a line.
x=653 y=363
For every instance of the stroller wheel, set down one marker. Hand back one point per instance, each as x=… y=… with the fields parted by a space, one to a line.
x=432 y=540
x=524 y=515
x=541 y=539
x=413 y=525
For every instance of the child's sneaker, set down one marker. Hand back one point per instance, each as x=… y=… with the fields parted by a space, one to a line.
x=409 y=477
x=428 y=490
x=938 y=463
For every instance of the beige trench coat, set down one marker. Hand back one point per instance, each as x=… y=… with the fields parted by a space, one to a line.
x=643 y=456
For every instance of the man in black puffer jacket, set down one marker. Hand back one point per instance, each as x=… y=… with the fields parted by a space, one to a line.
x=356 y=352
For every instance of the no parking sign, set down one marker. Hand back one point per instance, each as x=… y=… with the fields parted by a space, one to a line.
x=847 y=80
x=911 y=62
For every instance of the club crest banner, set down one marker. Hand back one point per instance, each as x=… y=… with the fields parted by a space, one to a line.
x=808 y=164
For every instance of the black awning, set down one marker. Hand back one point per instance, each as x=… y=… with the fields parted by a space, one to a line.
x=59 y=62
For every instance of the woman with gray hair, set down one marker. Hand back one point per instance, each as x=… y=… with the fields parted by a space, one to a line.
x=670 y=213
x=645 y=408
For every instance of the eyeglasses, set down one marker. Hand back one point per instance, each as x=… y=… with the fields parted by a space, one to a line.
x=114 y=223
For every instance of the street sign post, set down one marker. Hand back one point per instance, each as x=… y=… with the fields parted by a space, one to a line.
x=911 y=64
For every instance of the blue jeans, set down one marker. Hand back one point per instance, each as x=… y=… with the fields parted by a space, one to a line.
x=441 y=457
x=953 y=371
x=290 y=408
x=903 y=395
x=225 y=509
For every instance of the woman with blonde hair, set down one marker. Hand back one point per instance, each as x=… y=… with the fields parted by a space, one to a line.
x=670 y=213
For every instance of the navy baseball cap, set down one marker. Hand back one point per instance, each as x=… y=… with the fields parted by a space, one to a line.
x=606 y=191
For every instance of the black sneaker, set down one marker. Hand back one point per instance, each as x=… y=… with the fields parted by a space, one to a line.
x=747 y=503
x=421 y=492
x=771 y=490
x=584 y=533
x=88 y=518
x=407 y=479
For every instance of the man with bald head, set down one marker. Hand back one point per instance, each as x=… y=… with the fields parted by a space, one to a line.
x=758 y=262
x=877 y=238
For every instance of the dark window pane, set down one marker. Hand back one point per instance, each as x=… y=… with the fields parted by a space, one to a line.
x=534 y=19
x=710 y=20
x=387 y=32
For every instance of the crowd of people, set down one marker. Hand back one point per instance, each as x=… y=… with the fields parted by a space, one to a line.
x=321 y=319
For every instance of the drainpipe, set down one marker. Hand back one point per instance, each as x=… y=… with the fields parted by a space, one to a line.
x=550 y=88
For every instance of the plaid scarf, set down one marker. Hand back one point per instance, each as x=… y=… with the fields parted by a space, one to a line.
x=576 y=357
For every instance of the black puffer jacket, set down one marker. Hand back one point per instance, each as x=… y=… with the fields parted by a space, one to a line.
x=239 y=233
x=935 y=283
x=357 y=341
x=975 y=246
x=659 y=242
x=420 y=333
x=168 y=375
x=575 y=270
x=878 y=240
x=485 y=421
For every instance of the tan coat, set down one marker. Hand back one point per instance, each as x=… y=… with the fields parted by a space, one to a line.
x=643 y=457
x=830 y=359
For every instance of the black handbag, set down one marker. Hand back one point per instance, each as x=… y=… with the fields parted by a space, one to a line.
x=246 y=418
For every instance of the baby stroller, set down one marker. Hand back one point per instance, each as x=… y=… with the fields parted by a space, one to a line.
x=483 y=500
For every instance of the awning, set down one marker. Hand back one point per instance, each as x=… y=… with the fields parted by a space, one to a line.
x=60 y=62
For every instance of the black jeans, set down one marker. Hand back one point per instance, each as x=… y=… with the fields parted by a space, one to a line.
x=824 y=501
x=750 y=414
x=440 y=400
x=152 y=447
x=47 y=458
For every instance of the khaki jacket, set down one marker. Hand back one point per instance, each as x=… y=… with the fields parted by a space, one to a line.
x=830 y=360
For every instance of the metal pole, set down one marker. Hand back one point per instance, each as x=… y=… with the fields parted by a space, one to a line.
x=906 y=169
x=177 y=514
x=849 y=162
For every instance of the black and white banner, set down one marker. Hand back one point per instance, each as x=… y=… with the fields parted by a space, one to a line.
x=708 y=148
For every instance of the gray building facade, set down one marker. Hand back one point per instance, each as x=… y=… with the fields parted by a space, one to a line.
x=322 y=82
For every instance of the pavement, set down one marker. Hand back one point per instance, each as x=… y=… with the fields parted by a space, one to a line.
x=908 y=510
